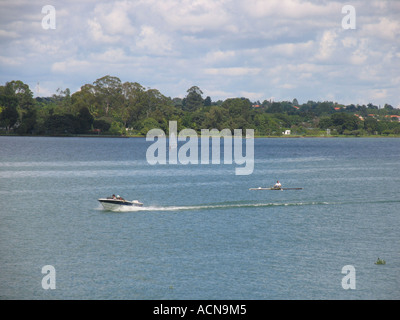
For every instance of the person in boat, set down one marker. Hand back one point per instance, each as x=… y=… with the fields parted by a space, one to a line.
x=114 y=197
x=277 y=185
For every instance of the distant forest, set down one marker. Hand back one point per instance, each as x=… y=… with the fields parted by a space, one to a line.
x=110 y=107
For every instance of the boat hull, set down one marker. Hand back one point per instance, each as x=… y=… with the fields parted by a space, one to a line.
x=261 y=188
x=119 y=205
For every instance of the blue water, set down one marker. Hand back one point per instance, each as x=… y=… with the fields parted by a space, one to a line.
x=201 y=233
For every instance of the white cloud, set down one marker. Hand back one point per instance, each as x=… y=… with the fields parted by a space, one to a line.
x=382 y=28
x=11 y=61
x=111 y=55
x=327 y=45
x=289 y=8
x=110 y=22
x=97 y=33
x=292 y=50
x=153 y=41
x=360 y=55
x=349 y=42
x=252 y=95
x=218 y=94
x=70 y=65
x=295 y=70
x=229 y=48
x=195 y=16
x=378 y=94
x=113 y=16
x=219 y=56
x=288 y=86
x=237 y=71
x=8 y=34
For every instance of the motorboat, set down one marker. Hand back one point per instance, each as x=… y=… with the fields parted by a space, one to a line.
x=275 y=188
x=117 y=203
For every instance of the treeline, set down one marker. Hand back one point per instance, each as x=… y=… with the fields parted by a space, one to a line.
x=111 y=107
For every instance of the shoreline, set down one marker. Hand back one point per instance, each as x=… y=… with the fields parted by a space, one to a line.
x=166 y=136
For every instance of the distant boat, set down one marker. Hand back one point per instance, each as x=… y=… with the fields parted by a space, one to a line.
x=117 y=203
x=265 y=188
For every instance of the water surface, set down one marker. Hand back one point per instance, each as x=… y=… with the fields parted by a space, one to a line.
x=201 y=233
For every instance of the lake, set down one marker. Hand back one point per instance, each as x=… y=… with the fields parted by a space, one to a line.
x=201 y=234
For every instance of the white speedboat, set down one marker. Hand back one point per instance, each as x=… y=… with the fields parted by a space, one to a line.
x=117 y=203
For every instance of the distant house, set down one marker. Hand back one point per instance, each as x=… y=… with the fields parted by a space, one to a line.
x=296 y=107
x=256 y=106
x=359 y=117
x=287 y=132
x=395 y=117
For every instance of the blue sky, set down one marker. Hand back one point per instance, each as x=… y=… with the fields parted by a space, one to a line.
x=259 y=49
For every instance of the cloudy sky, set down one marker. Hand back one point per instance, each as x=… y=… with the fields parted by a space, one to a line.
x=259 y=49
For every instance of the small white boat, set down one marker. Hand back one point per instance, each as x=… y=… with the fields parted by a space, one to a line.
x=275 y=188
x=118 y=203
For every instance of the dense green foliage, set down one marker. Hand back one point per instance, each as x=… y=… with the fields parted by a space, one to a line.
x=109 y=106
x=380 y=261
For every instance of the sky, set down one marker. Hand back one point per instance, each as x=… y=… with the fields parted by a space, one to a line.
x=258 y=49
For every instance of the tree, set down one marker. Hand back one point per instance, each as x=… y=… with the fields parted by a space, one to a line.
x=198 y=117
x=215 y=118
x=85 y=98
x=178 y=103
x=9 y=114
x=134 y=102
x=344 y=121
x=102 y=125
x=148 y=124
x=28 y=122
x=117 y=128
x=112 y=106
x=324 y=108
x=63 y=100
x=194 y=99
x=275 y=108
x=154 y=101
x=363 y=111
x=62 y=124
x=371 y=125
x=325 y=123
x=108 y=91
x=284 y=119
x=85 y=120
x=21 y=92
x=207 y=102
x=15 y=100
x=351 y=108
x=238 y=107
